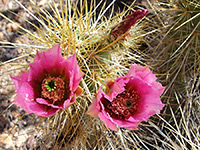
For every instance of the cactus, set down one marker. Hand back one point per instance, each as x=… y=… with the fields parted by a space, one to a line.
x=104 y=53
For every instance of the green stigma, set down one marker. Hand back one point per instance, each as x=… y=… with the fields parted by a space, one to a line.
x=128 y=103
x=51 y=85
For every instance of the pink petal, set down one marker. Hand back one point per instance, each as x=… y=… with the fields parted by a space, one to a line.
x=25 y=100
x=143 y=88
x=49 y=59
x=46 y=62
x=134 y=68
x=159 y=87
x=126 y=124
x=148 y=105
x=147 y=76
x=95 y=108
x=25 y=96
x=68 y=102
x=36 y=72
x=72 y=66
x=71 y=72
x=42 y=101
x=20 y=79
x=109 y=124
x=131 y=119
x=115 y=87
x=46 y=102
x=49 y=111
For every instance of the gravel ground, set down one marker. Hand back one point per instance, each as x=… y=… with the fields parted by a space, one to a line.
x=14 y=134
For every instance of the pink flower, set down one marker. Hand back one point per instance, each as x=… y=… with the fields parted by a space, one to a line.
x=129 y=99
x=50 y=85
x=126 y=23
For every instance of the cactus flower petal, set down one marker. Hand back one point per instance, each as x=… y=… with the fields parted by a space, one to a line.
x=138 y=99
x=125 y=25
x=50 y=84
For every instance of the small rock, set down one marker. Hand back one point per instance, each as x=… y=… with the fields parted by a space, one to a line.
x=6 y=142
x=4 y=1
x=15 y=26
x=1 y=35
x=31 y=142
x=42 y=2
x=4 y=123
x=29 y=8
x=21 y=138
x=11 y=27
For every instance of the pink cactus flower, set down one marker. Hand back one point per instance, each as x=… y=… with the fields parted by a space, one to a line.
x=50 y=85
x=129 y=99
x=124 y=26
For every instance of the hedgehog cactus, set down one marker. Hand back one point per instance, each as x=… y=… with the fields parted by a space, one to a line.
x=101 y=48
x=182 y=38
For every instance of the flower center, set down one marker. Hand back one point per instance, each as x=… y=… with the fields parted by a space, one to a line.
x=51 y=85
x=124 y=105
x=53 y=88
